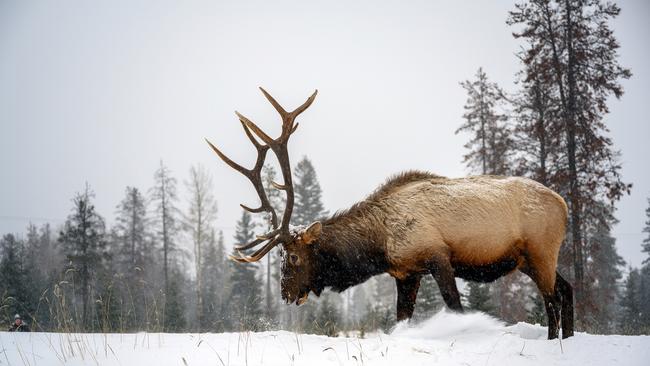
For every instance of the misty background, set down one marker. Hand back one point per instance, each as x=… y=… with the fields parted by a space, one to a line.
x=100 y=92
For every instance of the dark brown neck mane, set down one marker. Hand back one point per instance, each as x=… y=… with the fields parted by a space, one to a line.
x=347 y=255
x=351 y=248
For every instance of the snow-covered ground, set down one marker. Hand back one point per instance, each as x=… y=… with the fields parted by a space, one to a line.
x=445 y=339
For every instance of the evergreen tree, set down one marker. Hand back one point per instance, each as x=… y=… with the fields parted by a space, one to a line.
x=175 y=309
x=84 y=245
x=164 y=197
x=489 y=143
x=645 y=246
x=244 y=306
x=198 y=221
x=36 y=278
x=215 y=283
x=630 y=320
x=133 y=257
x=308 y=206
x=131 y=230
x=14 y=291
x=603 y=271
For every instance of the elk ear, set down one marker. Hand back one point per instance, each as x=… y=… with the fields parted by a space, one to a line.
x=311 y=233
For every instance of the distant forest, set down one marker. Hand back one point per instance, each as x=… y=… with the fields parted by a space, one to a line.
x=552 y=128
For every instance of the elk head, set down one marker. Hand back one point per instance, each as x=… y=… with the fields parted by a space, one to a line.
x=298 y=251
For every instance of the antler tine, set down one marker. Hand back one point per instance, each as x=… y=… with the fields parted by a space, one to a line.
x=227 y=160
x=260 y=239
x=305 y=105
x=260 y=253
x=250 y=136
x=258 y=131
x=275 y=103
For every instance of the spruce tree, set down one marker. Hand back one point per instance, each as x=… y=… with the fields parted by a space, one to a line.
x=131 y=230
x=489 y=143
x=14 y=291
x=308 y=205
x=603 y=272
x=175 y=306
x=164 y=197
x=244 y=306
x=631 y=312
x=133 y=257
x=214 y=285
x=645 y=245
x=84 y=245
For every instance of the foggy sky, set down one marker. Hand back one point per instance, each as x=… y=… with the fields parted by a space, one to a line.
x=99 y=92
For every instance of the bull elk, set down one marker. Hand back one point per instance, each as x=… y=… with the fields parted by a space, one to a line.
x=476 y=228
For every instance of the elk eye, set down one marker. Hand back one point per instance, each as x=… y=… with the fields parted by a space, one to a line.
x=294 y=259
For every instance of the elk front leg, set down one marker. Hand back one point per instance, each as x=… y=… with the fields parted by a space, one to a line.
x=407 y=291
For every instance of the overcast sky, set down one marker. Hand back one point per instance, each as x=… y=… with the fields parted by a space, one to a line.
x=99 y=92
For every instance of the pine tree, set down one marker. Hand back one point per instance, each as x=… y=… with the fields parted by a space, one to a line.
x=174 y=314
x=14 y=291
x=131 y=229
x=133 y=258
x=603 y=271
x=164 y=197
x=630 y=322
x=84 y=245
x=198 y=221
x=308 y=205
x=215 y=282
x=571 y=42
x=644 y=278
x=245 y=302
x=490 y=142
x=645 y=246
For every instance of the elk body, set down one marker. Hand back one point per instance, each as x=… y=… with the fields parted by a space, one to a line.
x=417 y=223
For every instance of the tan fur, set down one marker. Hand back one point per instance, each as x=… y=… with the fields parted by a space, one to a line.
x=474 y=221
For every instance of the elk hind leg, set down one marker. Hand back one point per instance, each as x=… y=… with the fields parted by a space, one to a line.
x=564 y=291
x=545 y=281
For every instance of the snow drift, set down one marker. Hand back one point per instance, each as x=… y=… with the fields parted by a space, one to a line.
x=445 y=339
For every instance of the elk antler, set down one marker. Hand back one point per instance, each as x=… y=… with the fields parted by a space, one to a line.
x=279 y=234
